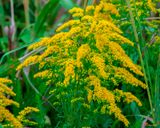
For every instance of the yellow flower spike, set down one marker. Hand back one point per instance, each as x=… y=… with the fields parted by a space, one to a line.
x=74 y=32
x=103 y=8
x=106 y=26
x=70 y=23
x=26 y=111
x=78 y=15
x=7 y=119
x=111 y=8
x=98 y=8
x=100 y=64
x=115 y=109
x=94 y=80
x=76 y=10
x=41 y=43
x=69 y=71
x=93 y=26
x=127 y=77
x=89 y=9
x=119 y=54
x=90 y=95
x=48 y=60
x=130 y=98
x=5 y=80
x=87 y=18
x=6 y=89
x=32 y=59
x=101 y=42
x=69 y=43
x=6 y=115
x=120 y=39
x=105 y=95
x=4 y=101
x=44 y=74
x=82 y=52
x=50 y=50
x=151 y=5
x=62 y=36
x=127 y=97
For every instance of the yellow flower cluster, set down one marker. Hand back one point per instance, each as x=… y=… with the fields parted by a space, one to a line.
x=104 y=26
x=21 y=117
x=69 y=71
x=90 y=94
x=68 y=24
x=100 y=64
x=44 y=74
x=100 y=42
x=41 y=43
x=126 y=77
x=82 y=52
x=4 y=101
x=49 y=60
x=105 y=95
x=6 y=90
x=90 y=46
x=28 y=61
x=4 y=80
x=119 y=54
x=50 y=50
x=8 y=116
x=128 y=97
x=103 y=8
x=76 y=12
x=5 y=114
x=89 y=9
x=151 y=6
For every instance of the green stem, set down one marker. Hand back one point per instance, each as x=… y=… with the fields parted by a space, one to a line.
x=146 y=51
x=85 y=3
x=26 y=11
x=139 y=51
x=145 y=78
x=157 y=92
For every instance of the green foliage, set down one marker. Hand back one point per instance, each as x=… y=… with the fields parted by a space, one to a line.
x=36 y=19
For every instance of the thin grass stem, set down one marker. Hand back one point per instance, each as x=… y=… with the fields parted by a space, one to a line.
x=140 y=54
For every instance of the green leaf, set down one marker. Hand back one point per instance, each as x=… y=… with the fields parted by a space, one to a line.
x=1 y=14
x=1 y=126
x=25 y=36
x=67 y=4
x=135 y=110
x=39 y=25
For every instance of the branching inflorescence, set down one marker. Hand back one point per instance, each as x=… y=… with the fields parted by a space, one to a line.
x=7 y=119
x=86 y=53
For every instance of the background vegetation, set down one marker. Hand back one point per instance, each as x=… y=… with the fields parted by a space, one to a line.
x=23 y=22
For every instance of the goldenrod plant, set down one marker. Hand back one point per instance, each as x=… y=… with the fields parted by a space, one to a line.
x=87 y=67
x=142 y=21
x=7 y=119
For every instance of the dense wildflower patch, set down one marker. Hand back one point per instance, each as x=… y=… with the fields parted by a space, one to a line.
x=86 y=63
